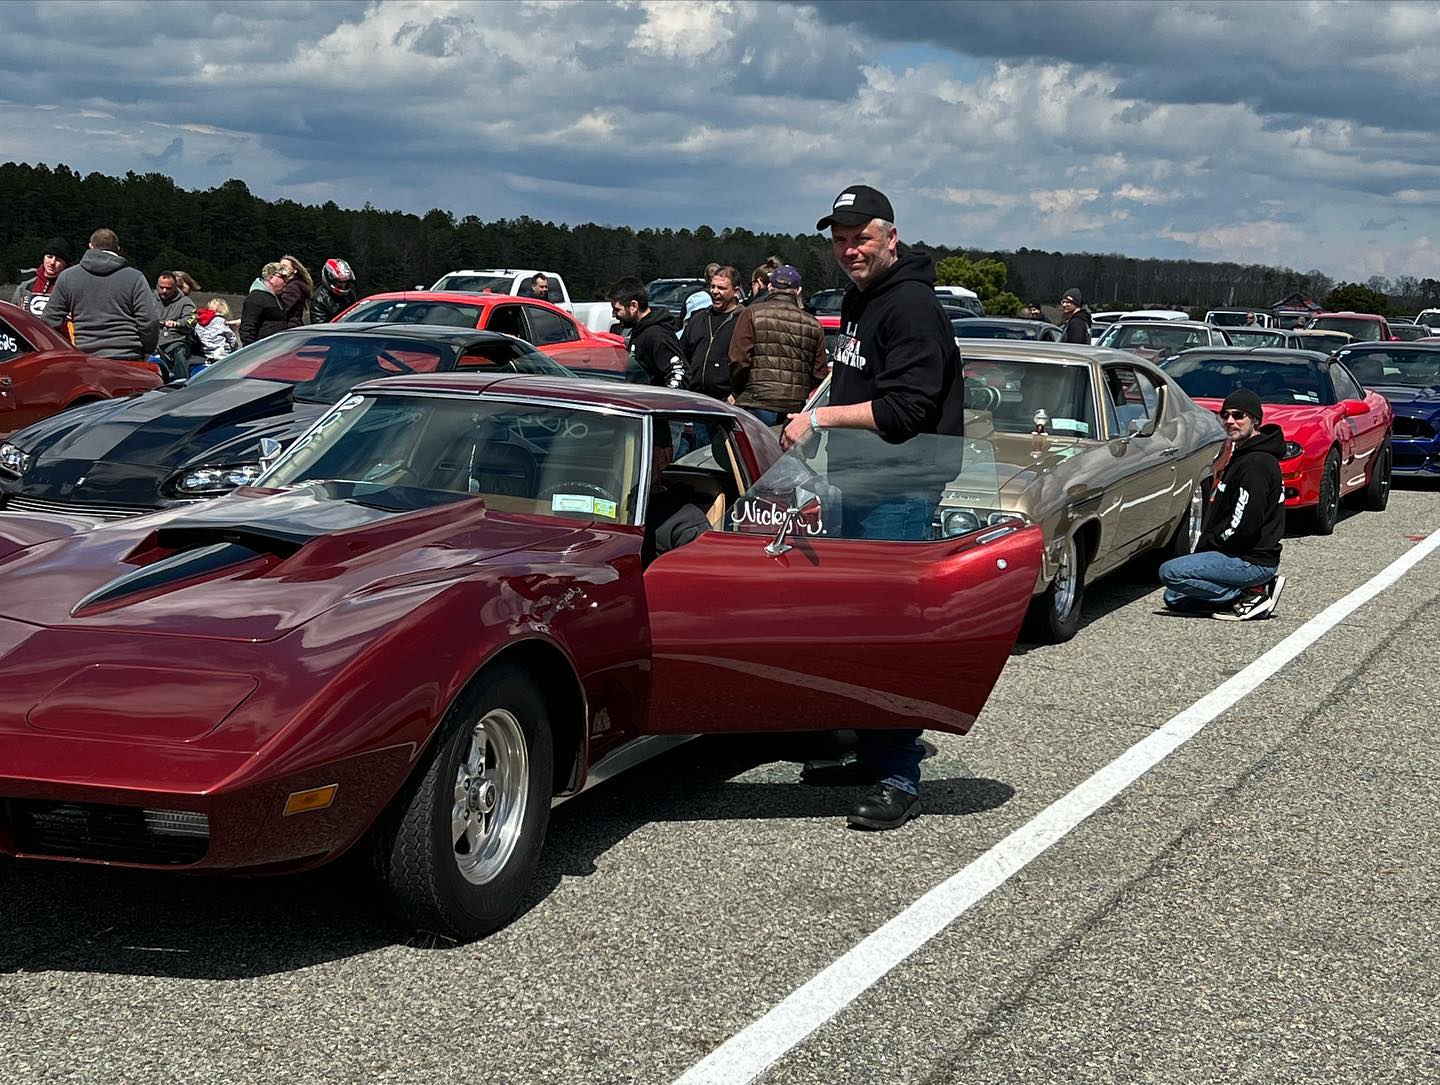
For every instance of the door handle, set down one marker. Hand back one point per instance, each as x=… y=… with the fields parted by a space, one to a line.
x=4 y=382
x=1171 y=451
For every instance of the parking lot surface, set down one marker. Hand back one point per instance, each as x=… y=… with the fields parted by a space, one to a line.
x=1259 y=906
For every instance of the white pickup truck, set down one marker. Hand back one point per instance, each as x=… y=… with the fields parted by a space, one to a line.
x=504 y=280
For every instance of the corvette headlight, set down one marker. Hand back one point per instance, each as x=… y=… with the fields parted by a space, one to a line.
x=202 y=481
x=955 y=522
x=1291 y=450
x=12 y=460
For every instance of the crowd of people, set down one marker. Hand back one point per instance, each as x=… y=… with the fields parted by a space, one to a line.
x=107 y=308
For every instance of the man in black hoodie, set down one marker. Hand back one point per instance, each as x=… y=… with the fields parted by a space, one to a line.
x=896 y=372
x=655 y=354
x=1077 y=318
x=1232 y=574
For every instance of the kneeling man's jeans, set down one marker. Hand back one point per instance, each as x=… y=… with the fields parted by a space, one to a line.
x=1210 y=578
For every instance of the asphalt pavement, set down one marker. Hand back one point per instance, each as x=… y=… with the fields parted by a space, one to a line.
x=1260 y=906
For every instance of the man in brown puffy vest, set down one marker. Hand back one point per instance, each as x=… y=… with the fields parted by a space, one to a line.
x=777 y=354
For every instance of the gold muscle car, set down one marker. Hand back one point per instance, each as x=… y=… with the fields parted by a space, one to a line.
x=1098 y=446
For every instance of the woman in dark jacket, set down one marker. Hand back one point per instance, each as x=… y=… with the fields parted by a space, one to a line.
x=295 y=294
x=263 y=314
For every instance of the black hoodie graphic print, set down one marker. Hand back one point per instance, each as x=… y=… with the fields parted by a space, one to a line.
x=655 y=351
x=897 y=351
x=1246 y=514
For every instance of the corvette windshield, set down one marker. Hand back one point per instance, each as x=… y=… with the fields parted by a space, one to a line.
x=516 y=457
x=1274 y=380
x=1406 y=368
x=324 y=367
x=401 y=311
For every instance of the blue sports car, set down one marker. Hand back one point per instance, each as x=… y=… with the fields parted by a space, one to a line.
x=1408 y=375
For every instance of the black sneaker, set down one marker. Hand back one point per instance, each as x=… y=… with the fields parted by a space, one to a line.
x=1254 y=603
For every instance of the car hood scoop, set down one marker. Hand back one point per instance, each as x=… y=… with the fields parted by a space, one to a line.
x=159 y=429
x=253 y=567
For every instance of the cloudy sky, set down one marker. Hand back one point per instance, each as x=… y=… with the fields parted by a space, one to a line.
x=1290 y=133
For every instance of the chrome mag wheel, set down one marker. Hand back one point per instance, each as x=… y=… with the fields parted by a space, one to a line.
x=492 y=784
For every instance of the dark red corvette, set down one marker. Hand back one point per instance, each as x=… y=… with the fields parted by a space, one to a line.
x=436 y=617
x=42 y=374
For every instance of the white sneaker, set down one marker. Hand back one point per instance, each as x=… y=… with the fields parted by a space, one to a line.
x=1252 y=606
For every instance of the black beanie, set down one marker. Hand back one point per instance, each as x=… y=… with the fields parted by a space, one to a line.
x=58 y=246
x=1242 y=399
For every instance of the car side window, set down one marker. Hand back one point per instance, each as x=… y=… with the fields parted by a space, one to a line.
x=1346 y=387
x=12 y=343
x=508 y=320
x=498 y=354
x=547 y=327
x=1130 y=396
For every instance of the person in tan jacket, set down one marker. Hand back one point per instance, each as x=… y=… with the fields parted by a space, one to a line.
x=777 y=354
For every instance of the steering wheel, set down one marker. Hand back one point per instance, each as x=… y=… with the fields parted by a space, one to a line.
x=576 y=487
x=385 y=359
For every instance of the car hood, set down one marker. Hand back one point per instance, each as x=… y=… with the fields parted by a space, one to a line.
x=1410 y=397
x=121 y=452
x=1020 y=462
x=252 y=566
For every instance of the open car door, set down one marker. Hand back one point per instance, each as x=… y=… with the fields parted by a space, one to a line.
x=794 y=618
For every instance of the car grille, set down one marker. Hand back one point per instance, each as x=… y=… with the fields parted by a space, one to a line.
x=21 y=503
x=1413 y=428
x=116 y=834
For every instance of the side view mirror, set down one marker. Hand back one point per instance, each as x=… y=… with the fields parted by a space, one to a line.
x=270 y=450
x=1355 y=407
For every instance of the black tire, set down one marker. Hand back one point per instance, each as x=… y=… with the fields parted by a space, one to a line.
x=1051 y=620
x=437 y=882
x=1376 y=494
x=1327 y=511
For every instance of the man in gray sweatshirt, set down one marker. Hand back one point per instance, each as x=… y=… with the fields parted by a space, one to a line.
x=114 y=312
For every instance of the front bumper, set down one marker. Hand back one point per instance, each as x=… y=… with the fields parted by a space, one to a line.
x=140 y=809
x=1301 y=482
x=1416 y=446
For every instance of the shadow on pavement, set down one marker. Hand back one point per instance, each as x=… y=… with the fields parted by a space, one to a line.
x=76 y=918
x=1111 y=593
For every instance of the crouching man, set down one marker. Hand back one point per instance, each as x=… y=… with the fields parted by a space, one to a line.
x=1233 y=573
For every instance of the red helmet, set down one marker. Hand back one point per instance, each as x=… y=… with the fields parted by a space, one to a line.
x=337 y=275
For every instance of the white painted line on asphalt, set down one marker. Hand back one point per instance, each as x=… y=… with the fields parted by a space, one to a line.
x=750 y=1052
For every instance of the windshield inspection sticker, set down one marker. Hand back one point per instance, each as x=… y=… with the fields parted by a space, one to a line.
x=597 y=506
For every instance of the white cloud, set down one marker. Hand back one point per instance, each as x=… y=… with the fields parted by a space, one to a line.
x=743 y=113
x=1062 y=201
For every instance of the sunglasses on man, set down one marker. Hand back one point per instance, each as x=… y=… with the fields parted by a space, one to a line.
x=1227 y=416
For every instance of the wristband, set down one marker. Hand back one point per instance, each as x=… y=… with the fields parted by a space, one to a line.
x=814 y=420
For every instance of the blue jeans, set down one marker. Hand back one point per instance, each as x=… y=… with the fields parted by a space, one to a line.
x=1209 y=579
x=892 y=756
x=770 y=418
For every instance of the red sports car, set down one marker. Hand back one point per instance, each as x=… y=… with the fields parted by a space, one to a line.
x=549 y=328
x=1337 y=434
x=443 y=610
x=42 y=374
